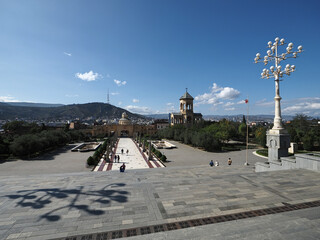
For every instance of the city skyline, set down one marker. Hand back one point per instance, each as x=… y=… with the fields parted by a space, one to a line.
x=146 y=53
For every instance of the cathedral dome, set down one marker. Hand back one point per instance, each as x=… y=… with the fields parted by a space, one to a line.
x=124 y=120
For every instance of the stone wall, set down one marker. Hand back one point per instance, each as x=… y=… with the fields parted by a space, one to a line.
x=305 y=161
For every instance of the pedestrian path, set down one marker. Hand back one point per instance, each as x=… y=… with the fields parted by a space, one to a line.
x=130 y=154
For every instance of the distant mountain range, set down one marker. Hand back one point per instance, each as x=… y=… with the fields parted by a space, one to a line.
x=158 y=116
x=28 y=104
x=239 y=117
x=93 y=111
x=47 y=112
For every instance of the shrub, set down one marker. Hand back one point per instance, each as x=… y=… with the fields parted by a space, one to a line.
x=90 y=161
x=230 y=148
x=163 y=158
x=158 y=154
x=263 y=152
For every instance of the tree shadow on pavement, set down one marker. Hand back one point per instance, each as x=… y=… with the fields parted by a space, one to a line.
x=70 y=198
x=51 y=154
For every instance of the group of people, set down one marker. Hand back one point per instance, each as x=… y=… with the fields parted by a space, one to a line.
x=123 y=166
x=126 y=151
x=116 y=157
x=216 y=163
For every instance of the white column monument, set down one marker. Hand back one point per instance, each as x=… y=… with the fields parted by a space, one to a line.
x=278 y=139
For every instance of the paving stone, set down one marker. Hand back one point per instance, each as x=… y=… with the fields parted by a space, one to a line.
x=81 y=203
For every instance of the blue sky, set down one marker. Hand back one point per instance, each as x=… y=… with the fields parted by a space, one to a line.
x=146 y=52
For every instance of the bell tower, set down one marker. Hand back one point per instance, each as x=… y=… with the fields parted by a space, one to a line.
x=186 y=107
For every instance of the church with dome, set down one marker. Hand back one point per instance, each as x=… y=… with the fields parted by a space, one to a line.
x=124 y=128
x=124 y=120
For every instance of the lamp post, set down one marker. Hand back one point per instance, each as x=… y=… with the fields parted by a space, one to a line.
x=247 y=140
x=149 y=153
x=278 y=139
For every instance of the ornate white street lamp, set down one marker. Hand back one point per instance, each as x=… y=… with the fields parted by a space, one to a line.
x=276 y=71
x=277 y=137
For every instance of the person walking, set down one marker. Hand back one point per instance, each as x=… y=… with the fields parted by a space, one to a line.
x=127 y=151
x=211 y=163
x=118 y=158
x=122 y=151
x=229 y=161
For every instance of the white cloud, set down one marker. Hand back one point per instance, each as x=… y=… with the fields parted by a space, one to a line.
x=119 y=103
x=308 y=106
x=265 y=103
x=138 y=109
x=241 y=102
x=229 y=104
x=72 y=95
x=68 y=54
x=216 y=95
x=8 y=99
x=120 y=83
x=88 y=76
x=135 y=100
x=228 y=93
x=170 y=108
x=204 y=97
x=302 y=107
x=230 y=109
x=114 y=93
x=215 y=88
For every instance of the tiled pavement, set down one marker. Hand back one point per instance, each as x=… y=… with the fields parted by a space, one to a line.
x=296 y=225
x=62 y=205
x=134 y=159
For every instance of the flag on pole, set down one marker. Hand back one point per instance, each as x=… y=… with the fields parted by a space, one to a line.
x=246 y=100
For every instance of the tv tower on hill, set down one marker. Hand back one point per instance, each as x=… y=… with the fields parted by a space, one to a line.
x=108 y=100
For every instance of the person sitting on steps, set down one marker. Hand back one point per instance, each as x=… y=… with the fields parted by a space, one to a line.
x=123 y=168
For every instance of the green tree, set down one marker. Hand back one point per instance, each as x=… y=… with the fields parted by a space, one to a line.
x=14 y=127
x=25 y=145
x=308 y=141
x=242 y=130
x=4 y=146
x=226 y=130
x=244 y=119
x=298 y=127
x=260 y=135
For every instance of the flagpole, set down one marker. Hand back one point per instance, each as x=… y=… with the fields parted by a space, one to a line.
x=247 y=102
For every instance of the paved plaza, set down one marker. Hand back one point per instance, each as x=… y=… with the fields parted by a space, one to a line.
x=77 y=204
x=57 y=161
x=130 y=154
x=185 y=155
x=177 y=202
